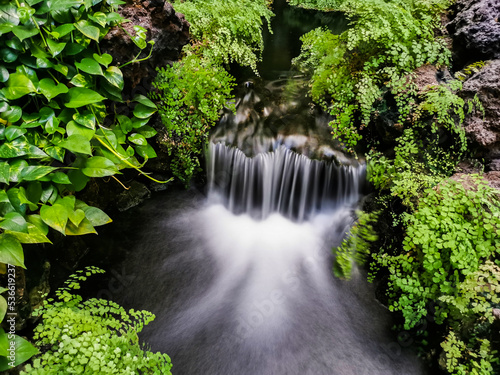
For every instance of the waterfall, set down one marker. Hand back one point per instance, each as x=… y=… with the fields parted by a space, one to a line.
x=280 y=181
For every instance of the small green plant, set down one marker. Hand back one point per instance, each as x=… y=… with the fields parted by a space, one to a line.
x=92 y=337
x=191 y=95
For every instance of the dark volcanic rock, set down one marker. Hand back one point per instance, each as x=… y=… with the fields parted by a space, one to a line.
x=484 y=132
x=476 y=30
x=168 y=29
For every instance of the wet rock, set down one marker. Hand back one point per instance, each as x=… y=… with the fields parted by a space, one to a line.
x=475 y=30
x=168 y=29
x=484 y=131
x=135 y=195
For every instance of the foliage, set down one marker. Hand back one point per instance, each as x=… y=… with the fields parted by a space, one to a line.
x=357 y=246
x=191 y=94
x=325 y=5
x=55 y=128
x=94 y=336
x=352 y=71
x=230 y=29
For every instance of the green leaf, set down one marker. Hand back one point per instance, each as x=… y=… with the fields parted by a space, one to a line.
x=24 y=32
x=138 y=139
x=75 y=129
x=33 y=172
x=114 y=76
x=8 y=55
x=3 y=310
x=50 y=90
x=79 y=97
x=73 y=49
x=76 y=217
x=88 y=30
x=79 y=80
x=125 y=124
x=147 y=131
x=24 y=350
x=89 y=66
x=99 y=166
x=145 y=101
x=14 y=221
x=78 y=179
x=147 y=152
x=13 y=132
x=55 y=48
x=55 y=152
x=104 y=59
x=86 y=119
x=11 y=251
x=55 y=216
x=34 y=235
x=96 y=216
x=13 y=114
x=60 y=178
x=77 y=143
x=141 y=111
x=85 y=227
x=18 y=85
x=14 y=149
x=62 y=30
x=15 y=169
x=37 y=221
x=55 y=5
x=4 y=172
x=4 y=74
x=100 y=18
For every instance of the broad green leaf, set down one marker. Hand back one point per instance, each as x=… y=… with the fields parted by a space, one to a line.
x=79 y=97
x=147 y=131
x=11 y=251
x=13 y=114
x=62 y=30
x=76 y=216
x=73 y=49
x=99 y=166
x=63 y=69
x=89 y=66
x=55 y=152
x=37 y=221
x=34 y=191
x=142 y=111
x=99 y=18
x=55 y=5
x=4 y=172
x=49 y=194
x=86 y=119
x=36 y=153
x=15 y=43
x=79 y=80
x=147 y=152
x=55 y=48
x=24 y=350
x=78 y=179
x=55 y=216
x=145 y=101
x=13 y=132
x=75 y=129
x=34 y=235
x=14 y=221
x=50 y=90
x=35 y=172
x=14 y=149
x=138 y=139
x=22 y=195
x=125 y=124
x=114 y=17
x=76 y=143
x=96 y=216
x=24 y=32
x=85 y=227
x=4 y=346
x=18 y=85
x=68 y=201
x=60 y=178
x=114 y=76
x=4 y=74
x=16 y=168
x=104 y=59
x=8 y=54
x=88 y=30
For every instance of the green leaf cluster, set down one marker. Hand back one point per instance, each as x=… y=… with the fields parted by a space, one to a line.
x=56 y=129
x=93 y=336
x=231 y=30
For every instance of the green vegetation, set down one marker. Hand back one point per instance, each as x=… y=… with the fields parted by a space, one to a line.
x=435 y=240
x=192 y=93
x=93 y=336
x=57 y=129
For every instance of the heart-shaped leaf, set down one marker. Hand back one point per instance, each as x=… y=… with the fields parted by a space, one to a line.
x=89 y=66
x=14 y=221
x=99 y=166
x=55 y=216
x=11 y=251
x=96 y=216
x=18 y=85
x=114 y=76
x=75 y=129
x=104 y=59
x=79 y=97
x=55 y=48
x=77 y=143
x=77 y=216
x=88 y=30
x=86 y=119
x=50 y=90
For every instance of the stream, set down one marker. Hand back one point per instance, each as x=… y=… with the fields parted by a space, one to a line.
x=238 y=273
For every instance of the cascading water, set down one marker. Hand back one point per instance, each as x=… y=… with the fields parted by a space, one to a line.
x=240 y=280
